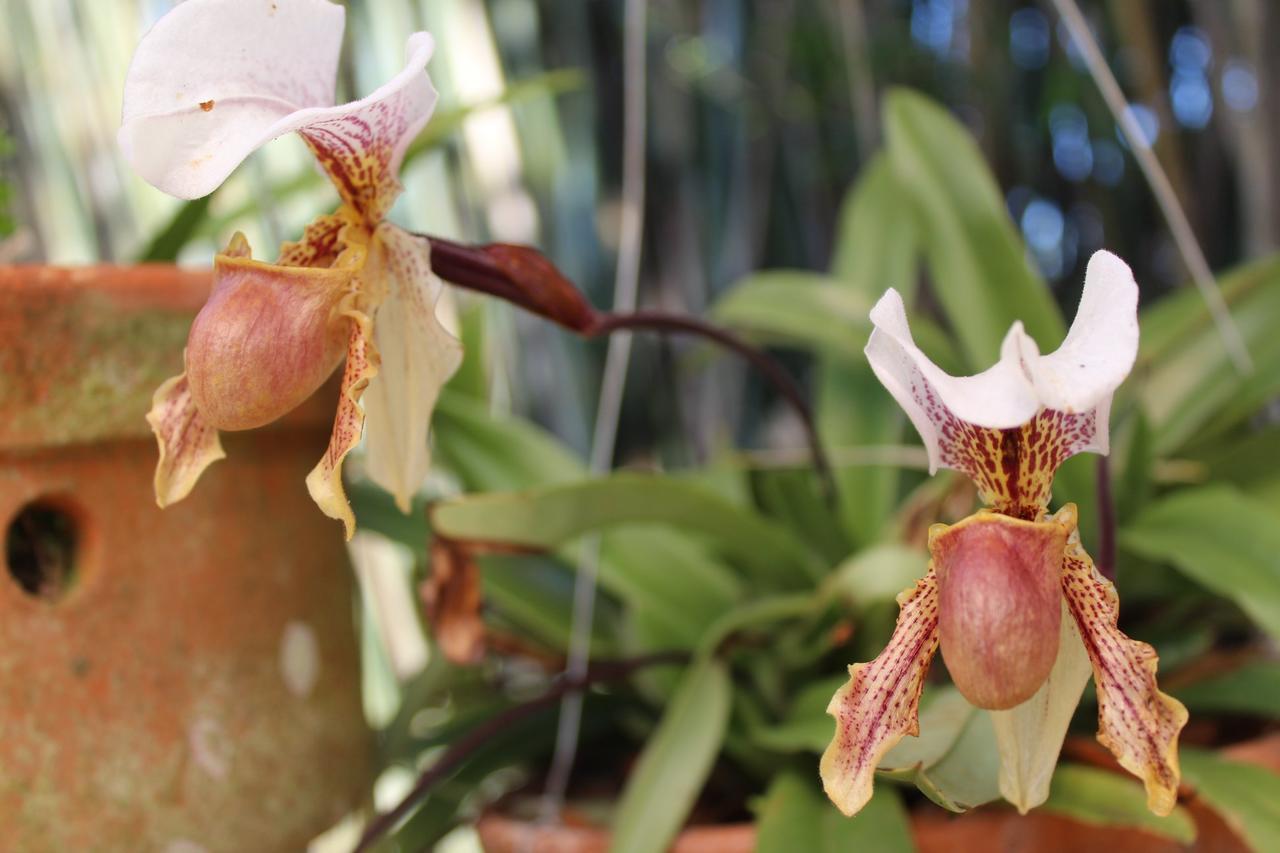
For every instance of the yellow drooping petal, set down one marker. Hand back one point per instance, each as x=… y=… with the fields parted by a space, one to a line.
x=1137 y=722
x=325 y=480
x=188 y=444
x=1030 y=736
x=881 y=701
x=418 y=356
x=361 y=145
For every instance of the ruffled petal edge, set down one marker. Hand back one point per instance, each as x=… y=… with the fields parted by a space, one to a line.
x=188 y=444
x=881 y=701
x=1138 y=723
x=325 y=480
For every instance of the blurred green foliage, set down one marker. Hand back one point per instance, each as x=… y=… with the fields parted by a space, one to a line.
x=741 y=564
x=762 y=115
x=7 y=222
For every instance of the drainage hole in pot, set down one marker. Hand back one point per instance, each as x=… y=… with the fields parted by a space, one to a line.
x=40 y=550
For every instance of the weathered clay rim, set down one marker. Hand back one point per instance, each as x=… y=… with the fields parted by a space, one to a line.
x=122 y=326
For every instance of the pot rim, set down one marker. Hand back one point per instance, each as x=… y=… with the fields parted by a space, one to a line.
x=84 y=349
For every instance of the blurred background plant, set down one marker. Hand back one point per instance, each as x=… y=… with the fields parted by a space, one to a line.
x=983 y=201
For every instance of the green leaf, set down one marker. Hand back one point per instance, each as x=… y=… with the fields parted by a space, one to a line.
x=954 y=761
x=1250 y=689
x=376 y=511
x=1237 y=461
x=792 y=496
x=1133 y=482
x=764 y=611
x=489 y=451
x=548 y=517
x=1220 y=538
x=1102 y=798
x=876 y=241
x=1170 y=323
x=795 y=816
x=798 y=307
x=876 y=249
x=1245 y=795
x=670 y=581
x=876 y=574
x=808 y=727
x=977 y=262
x=1189 y=383
x=537 y=596
x=675 y=762
x=676 y=582
x=177 y=232
x=472 y=376
x=817 y=313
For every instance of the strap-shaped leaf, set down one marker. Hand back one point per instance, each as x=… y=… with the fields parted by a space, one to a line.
x=979 y=267
x=675 y=762
x=795 y=816
x=1223 y=540
x=1246 y=795
x=1103 y=798
x=549 y=517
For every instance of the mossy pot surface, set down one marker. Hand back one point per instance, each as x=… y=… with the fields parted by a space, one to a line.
x=180 y=679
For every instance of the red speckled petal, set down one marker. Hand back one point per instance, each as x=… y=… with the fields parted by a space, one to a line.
x=323 y=241
x=418 y=357
x=1010 y=426
x=188 y=444
x=1006 y=443
x=360 y=145
x=215 y=80
x=881 y=701
x=1137 y=722
x=325 y=480
x=1014 y=468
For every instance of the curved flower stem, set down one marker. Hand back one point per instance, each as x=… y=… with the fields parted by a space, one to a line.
x=463 y=747
x=524 y=277
x=769 y=368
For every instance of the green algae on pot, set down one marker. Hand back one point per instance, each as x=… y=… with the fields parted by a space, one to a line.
x=184 y=679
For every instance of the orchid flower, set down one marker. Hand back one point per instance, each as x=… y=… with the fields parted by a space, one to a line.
x=1019 y=610
x=211 y=82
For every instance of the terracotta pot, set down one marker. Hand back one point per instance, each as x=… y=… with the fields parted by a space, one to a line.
x=178 y=680
x=501 y=834
x=998 y=829
x=990 y=829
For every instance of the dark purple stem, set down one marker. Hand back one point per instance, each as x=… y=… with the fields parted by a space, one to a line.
x=463 y=747
x=523 y=276
x=661 y=321
x=1106 y=561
